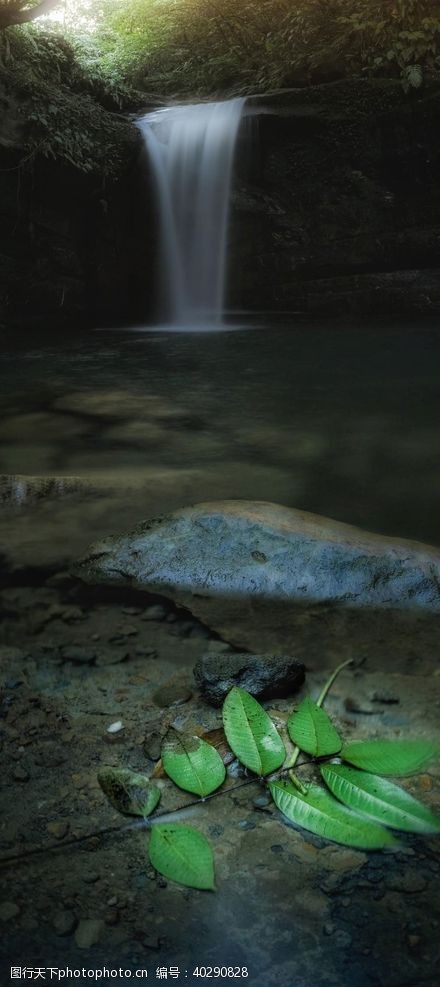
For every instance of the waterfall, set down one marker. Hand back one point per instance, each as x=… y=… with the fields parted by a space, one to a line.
x=190 y=151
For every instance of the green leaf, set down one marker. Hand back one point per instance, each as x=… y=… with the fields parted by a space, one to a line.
x=183 y=855
x=320 y=813
x=379 y=799
x=391 y=757
x=251 y=734
x=313 y=731
x=191 y=763
x=129 y=792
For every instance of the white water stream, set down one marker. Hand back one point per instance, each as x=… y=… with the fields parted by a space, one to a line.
x=190 y=151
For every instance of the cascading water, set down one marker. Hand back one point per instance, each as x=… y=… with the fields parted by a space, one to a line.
x=190 y=151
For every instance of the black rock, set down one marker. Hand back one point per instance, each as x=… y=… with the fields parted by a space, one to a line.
x=264 y=676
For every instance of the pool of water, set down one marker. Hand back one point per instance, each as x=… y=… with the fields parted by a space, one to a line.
x=342 y=421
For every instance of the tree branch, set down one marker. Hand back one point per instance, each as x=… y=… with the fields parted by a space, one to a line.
x=14 y=12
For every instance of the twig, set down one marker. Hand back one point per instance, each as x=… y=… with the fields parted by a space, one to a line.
x=146 y=823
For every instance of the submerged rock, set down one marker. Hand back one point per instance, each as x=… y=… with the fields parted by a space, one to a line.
x=264 y=676
x=269 y=577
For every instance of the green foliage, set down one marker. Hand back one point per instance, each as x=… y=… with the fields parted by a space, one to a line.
x=353 y=809
x=379 y=799
x=391 y=757
x=313 y=730
x=182 y=854
x=61 y=104
x=192 y=764
x=320 y=813
x=251 y=733
x=190 y=46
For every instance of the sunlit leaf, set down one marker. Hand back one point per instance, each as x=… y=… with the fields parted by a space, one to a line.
x=129 y=792
x=320 y=813
x=251 y=733
x=391 y=757
x=191 y=763
x=379 y=799
x=313 y=731
x=183 y=855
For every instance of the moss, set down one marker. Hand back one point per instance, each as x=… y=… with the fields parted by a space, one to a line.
x=52 y=108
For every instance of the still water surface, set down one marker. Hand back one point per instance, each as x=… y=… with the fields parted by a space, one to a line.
x=340 y=421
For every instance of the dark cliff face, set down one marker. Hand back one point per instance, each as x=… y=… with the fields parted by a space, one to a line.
x=338 y=212
x=74 y=246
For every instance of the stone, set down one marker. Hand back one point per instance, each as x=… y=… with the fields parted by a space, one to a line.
x=156 y=612
x=264 y=676
x=58 y=828
x=89 y=932
x=172 y=694
x=20 y=773
x=91 y=877
x=267 y=577
x=79 y=654
x=409 y=882
x=64 y=923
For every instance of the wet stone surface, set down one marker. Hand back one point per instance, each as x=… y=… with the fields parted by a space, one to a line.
x=264 y=676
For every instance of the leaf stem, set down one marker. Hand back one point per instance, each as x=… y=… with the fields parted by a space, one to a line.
x=331 y=680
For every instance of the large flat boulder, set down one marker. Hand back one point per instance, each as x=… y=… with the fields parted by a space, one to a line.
x=267 y=577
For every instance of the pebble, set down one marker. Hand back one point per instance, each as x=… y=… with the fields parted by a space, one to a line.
x=414 y=941
x=88 y=932
x=8 y=910
x=246 y=824
x=261 y=801
x=156 y=612
x=115 y=727
x=172 y=695
x=20 y=773
x=58 y=828
x=277 y=848
x=76 y=653
x=111 y=917
x=90 y=877
x=328 y=928
x=64 y=923
x=410 y=883
x=111 y=658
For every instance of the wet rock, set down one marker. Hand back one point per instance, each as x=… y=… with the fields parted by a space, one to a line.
x=267 y=577
x=264 y=676
x=64 y=923
x=111 y=658
x=261 y=801
x=91 y=877
x=112 y=404
x=409 y=882
x=8 y=911
x=156 y=612
x=341 y=859
x=78 y=654
x=58 y=828
x=20 y=773
x=89 y=932
x=111 y=916
x=172 y=694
